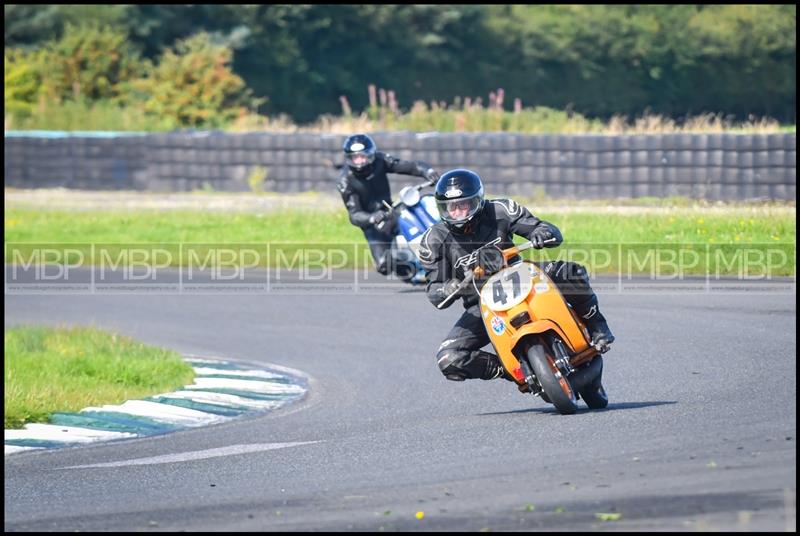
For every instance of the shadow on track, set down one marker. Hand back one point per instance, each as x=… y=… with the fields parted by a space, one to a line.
x=412 y=290
x=618 y=406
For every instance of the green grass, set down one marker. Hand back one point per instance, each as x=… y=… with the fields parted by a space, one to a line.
x=155 y=226
x=51 y=370
x=675 y=227
x=736 y=241
x=736 y=228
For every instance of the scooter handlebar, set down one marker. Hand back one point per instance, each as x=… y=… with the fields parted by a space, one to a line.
x=514 y=250
x=470 y=275
x=478 y=271
x=417 y=187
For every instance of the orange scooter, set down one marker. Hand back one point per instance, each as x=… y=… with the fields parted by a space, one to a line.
x=541 y=341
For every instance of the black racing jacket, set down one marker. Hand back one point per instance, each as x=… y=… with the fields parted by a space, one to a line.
x=446 y=254
x=365 y=193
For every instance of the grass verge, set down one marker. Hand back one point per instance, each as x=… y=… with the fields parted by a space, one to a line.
x=744 y=235
x=49 y=370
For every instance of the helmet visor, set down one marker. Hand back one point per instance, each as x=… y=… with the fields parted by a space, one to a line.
x=359 y=156
x=459 y=210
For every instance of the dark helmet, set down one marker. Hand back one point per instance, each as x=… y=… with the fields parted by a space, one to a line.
x=359 y=152
x=459 y=198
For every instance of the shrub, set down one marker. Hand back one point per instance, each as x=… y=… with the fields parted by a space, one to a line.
x=22 y=82
x=194 y=86
x=88 y=62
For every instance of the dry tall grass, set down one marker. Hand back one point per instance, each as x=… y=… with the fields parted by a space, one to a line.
x=463 y=114
x=471 y=115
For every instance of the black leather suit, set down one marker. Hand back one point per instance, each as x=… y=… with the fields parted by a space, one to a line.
x=364 y=192
x=445 y=255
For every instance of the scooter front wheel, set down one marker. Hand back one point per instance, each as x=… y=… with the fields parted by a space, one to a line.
x=554 y=384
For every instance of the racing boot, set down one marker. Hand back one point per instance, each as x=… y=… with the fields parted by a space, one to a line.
x=459 y=365
x=404 y=265
x=419 y=278
x=596 y=323
x=494 y=369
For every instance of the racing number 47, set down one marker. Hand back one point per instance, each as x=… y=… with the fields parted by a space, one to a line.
x=498 y=292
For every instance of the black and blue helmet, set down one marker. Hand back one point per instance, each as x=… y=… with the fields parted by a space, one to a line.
x=359 y=152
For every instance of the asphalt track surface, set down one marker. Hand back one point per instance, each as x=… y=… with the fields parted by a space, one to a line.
x=700 y=432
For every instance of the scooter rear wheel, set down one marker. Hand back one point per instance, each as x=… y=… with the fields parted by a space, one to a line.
x=558 y=389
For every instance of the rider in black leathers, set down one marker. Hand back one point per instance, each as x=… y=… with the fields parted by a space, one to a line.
x=450 y=246
x=364 y=187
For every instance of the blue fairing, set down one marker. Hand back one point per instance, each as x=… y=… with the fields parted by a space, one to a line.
x=415 y=220
x=427 y=210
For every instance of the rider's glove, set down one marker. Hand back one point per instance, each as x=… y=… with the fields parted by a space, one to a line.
x=431 y=175
x=450 y=286
x=378 y=217
x=539 y=235
x=490 y=259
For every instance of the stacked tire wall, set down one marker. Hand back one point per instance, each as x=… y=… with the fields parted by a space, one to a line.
x=701 y=166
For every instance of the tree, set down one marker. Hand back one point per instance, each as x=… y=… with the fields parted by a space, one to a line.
x=88 y=62
x=194 y=86
x=30 y=25
x=22 y=82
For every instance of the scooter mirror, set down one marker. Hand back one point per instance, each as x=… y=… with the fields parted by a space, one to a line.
x=409 y=196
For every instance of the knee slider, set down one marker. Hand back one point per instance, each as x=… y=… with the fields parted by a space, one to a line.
x=448 y=364
x=578 y=270
x=384 y=263
x=567 y=271
x=571 y=278
x=404 y=263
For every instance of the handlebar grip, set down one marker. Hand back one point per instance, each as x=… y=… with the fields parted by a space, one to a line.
x=467 y=280
x=510 y=252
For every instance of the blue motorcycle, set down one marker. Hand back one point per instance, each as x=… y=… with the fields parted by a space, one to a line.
x=415 y=213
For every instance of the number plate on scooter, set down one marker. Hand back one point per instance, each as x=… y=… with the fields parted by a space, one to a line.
x=507 y=288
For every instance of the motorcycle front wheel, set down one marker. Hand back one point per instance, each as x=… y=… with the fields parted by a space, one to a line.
x=554 y=384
